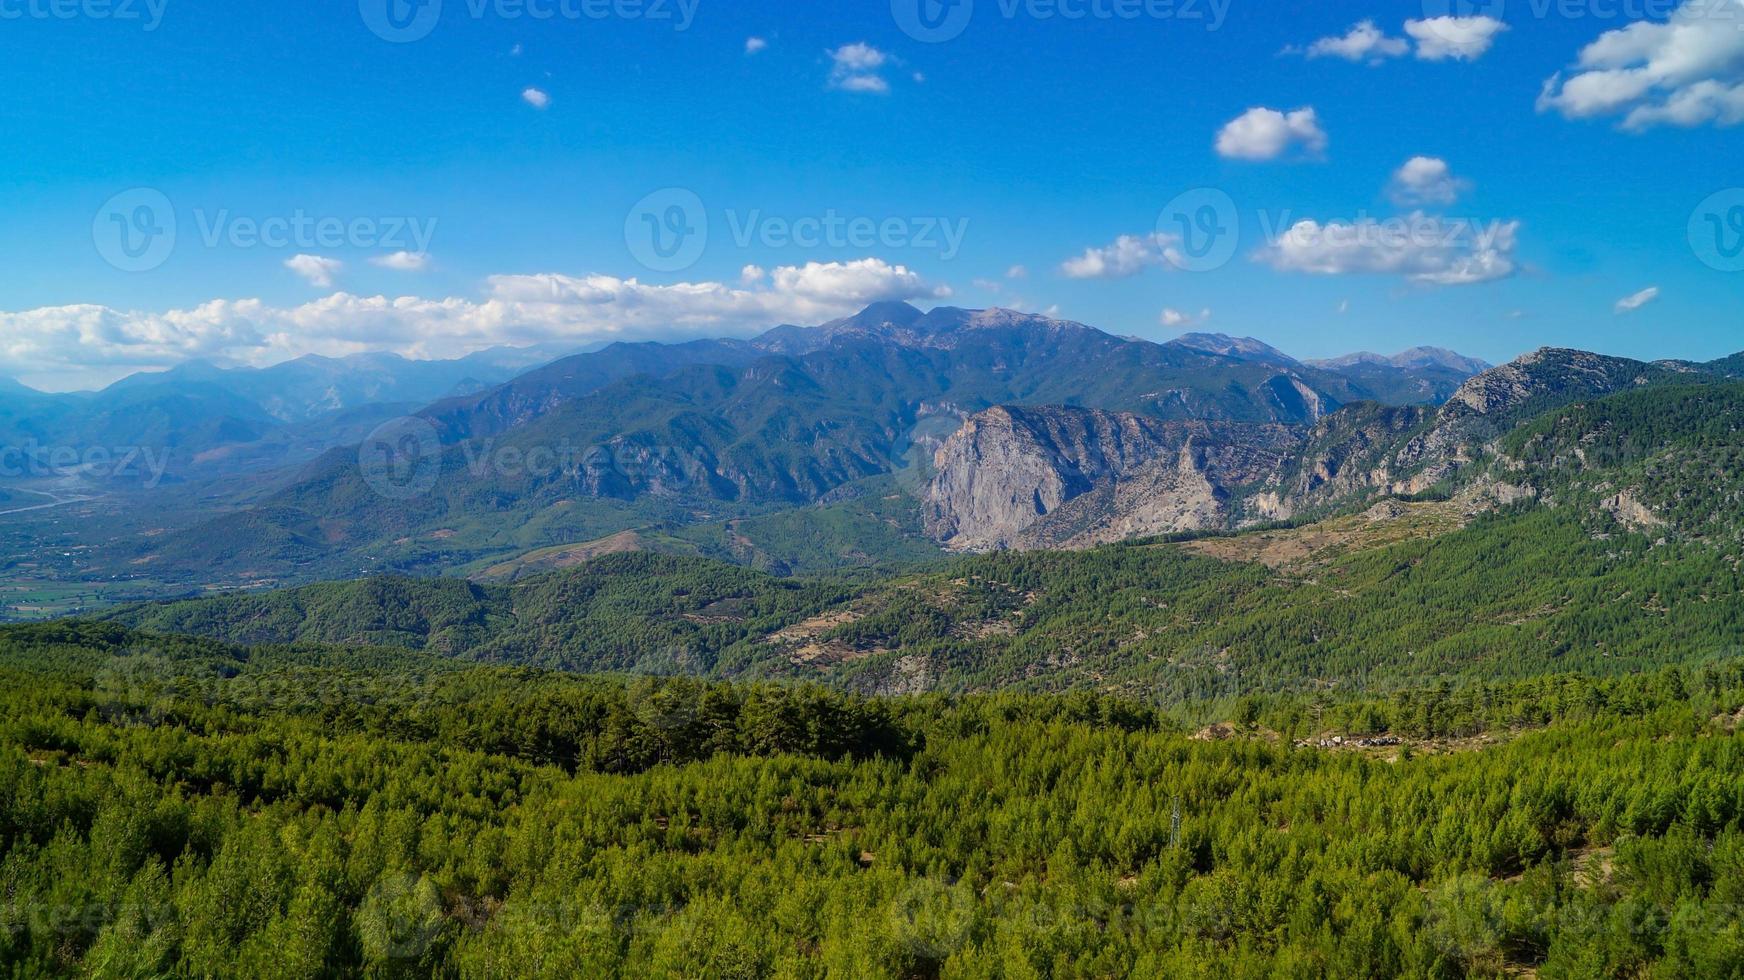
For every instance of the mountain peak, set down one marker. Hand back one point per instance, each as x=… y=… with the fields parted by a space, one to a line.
x=1415 y=358
x=892 y=313
x=1559 y=373
x=1241 y=348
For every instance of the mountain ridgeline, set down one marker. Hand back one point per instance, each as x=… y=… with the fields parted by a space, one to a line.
x=975 y=430
x=653 y=436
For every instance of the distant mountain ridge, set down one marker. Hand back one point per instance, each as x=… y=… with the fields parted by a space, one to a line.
x=1416 y=357
x=211 y=419
x=718 y=428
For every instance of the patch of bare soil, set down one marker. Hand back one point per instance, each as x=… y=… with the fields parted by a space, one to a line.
x=562 y=556
x=1304 y=548
x=804 y=645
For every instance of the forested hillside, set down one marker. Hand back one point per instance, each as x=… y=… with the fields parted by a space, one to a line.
x=176 y=806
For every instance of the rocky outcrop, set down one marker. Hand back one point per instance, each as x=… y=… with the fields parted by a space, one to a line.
x=1017 y=477
x=1065 y=478
x=1199 y=487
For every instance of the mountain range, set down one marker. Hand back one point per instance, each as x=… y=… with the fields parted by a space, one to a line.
x=1597 y=535
x=207 y=419
x=873 y=439
x=646 y=436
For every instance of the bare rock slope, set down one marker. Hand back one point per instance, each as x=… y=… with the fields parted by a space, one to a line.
x=1068 y=477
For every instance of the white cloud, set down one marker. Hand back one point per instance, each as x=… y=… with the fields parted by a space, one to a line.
x=1426 y=180
x=73 y=346
x=1364 y=42
x=1455 y=38
x=1172 y=317
x=863 y=83
x=1126 y=256
x=536 y=98
x=1017 y=272
x=316 y=270
x=751 y=275
x=1686 y=71
x=403 y=261
x=855 y=68
x=1635 y=301
x=755 y=44
x=854 y=283
x=1421 y=248
x=1265 y=134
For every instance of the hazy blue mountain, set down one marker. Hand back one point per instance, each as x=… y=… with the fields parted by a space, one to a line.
x=638 y=434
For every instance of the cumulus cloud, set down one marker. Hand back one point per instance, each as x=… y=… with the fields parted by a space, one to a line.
x=1426 y=180
x=1172 y=317
x=1265 y=134
x=857 y=68
x=536 y=98
x=1363 y=42
x=1635 y=301
x=1421 y=248
x=403 y=261
x=1126 y=256
x=315 y=269
x=71 y=346
x=755 y=44
x=1686 y=71
x=1017 y=272
x=1454 y=38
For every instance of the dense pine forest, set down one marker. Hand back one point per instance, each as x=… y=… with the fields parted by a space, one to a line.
x=184 y=806
x=1443 y=734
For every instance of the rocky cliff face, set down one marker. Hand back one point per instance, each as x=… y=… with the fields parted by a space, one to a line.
x=1058 y=477
x=1046 y=477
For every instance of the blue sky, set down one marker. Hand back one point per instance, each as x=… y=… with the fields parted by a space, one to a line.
x=523 y=146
